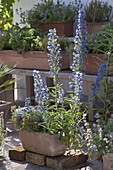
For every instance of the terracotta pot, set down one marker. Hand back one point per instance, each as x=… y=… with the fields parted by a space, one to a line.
x=96 y=27
x=32 y=59
x=63 y=28
x=42 y=143
x=92 y=63
x=108 y=161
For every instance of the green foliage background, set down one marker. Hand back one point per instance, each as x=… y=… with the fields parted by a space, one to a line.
x=6 y=14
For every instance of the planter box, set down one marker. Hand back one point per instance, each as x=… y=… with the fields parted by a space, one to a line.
x=63 y=28
x=108 y=161
x=32 y=59
x=92 y=63
x=96 y=27
x=42 y=143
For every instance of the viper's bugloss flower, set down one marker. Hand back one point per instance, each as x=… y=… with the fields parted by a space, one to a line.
x=76 y=81
x=54 y=54
x=99 y=77
x=61 y=95
x=27 y=101
x=40 y=90
x=79 y=43
x=76 y=85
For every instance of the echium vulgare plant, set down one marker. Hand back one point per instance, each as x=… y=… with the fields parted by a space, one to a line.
x=100 y=137
x=55 y=113
x=78 y=55
x=103 y=86
x=29 y=117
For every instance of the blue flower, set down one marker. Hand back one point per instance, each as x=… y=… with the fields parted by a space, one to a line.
x=76 y=81
x=27 y=101
x=40 y=90
x=55 y=54
x=99 y=77
x=19 y=117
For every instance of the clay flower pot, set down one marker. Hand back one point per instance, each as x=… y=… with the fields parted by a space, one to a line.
x=94 y=28
x=55 y=151
x=32 y=59
x=92 y=63
x=41 y=143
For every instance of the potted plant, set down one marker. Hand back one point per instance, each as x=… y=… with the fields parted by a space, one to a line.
x=47 y=15
x=98 y=13
x=54 y=115
x=100 y=137
x=27 y=48
x=97 y=47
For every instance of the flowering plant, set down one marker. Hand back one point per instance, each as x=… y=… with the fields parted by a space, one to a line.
x=103 y=136
x=48 y=11
x=100 y=138
x=54 y=113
